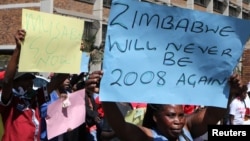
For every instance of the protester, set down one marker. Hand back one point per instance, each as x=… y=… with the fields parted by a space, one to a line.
x=93 y=119
x=72 y=83
x=162 y=121
x=90 y=129
x=78 y=81
x=238 y=107
x=60 y=93
x=19 y=102
x=247 y=101
x=247 y=113
x=107 y=133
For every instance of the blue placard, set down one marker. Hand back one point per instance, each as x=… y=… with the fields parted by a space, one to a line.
x=161 y=54
x=85 y=62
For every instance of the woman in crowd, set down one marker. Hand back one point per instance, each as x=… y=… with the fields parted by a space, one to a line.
x=162 y=122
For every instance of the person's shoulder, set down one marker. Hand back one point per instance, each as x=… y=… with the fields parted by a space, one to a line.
x=187 y=133
x=149 y=132
x=155 y=135
x=235 y=100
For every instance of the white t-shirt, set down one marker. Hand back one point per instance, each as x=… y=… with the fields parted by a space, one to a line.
x=247 y=101
x=237 y=108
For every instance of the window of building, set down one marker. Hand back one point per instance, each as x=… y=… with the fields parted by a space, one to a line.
x=107 y=3
x=245 y=16
x=104 y=31
x=88 y=36
x=233 y=12
x=203 y=3
x=218 y=6
x=87 y=30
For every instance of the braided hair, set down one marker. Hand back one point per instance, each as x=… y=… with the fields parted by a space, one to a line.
x=148 y=120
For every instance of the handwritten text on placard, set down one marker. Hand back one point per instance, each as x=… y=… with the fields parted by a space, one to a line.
x=169 y=54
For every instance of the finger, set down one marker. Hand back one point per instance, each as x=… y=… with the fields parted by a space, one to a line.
x=95 y=75
x=91 y=81
x=63 y=96
x=99 y=72
x=96 y=90
x=91 y=87
x=92 y=90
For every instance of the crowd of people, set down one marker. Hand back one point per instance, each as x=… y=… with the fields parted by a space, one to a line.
x=24 y=110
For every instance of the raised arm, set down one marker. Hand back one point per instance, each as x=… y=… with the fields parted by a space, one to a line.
x=197 y=122
x=12 y=67
x=123 y=130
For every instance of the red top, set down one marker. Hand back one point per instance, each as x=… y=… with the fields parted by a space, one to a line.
x=99 y=107
x=138 y=105
x=21 y=125
x=2 y=75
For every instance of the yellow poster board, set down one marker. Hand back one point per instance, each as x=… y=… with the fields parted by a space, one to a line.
x=52 y=43
x=135 y=116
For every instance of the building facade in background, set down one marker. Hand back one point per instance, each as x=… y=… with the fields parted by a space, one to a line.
x=95 y=13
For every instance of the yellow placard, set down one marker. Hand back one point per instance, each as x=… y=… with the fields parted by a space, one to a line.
x=135 y=116
x=52 y=43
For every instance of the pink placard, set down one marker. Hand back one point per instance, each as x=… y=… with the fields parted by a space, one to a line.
x=59 y=120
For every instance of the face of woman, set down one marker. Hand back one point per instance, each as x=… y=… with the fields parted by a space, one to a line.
x=170 y=121
x=66 y=83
